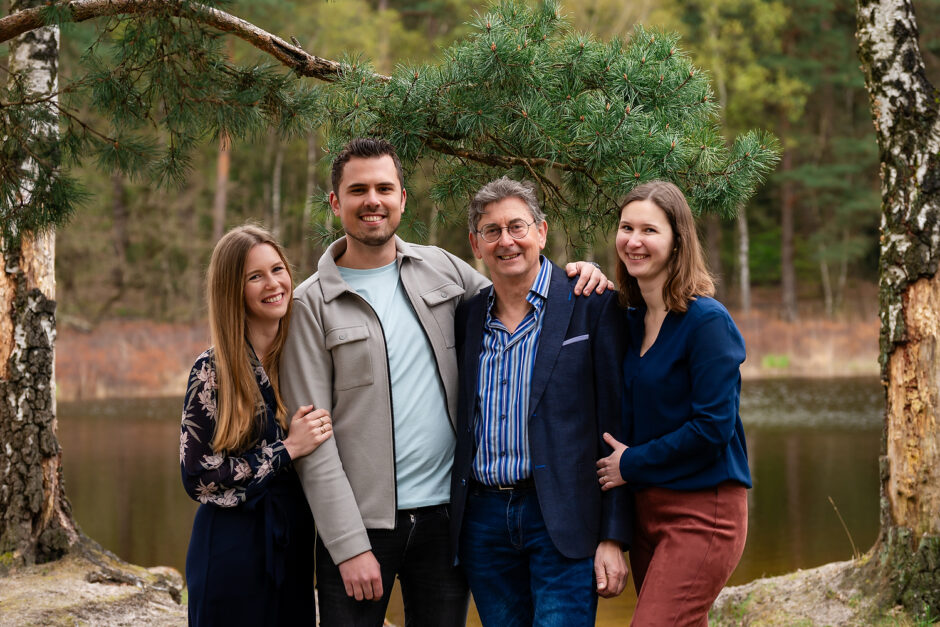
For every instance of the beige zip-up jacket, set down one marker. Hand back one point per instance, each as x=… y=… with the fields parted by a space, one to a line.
x=336 y=358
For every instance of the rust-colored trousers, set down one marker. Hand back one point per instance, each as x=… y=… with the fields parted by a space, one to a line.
x=685 y=547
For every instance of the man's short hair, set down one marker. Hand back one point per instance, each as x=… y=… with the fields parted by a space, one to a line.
x=497 y=190
x=364 y=148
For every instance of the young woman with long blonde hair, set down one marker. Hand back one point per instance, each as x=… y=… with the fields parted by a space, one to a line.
x=250 y=558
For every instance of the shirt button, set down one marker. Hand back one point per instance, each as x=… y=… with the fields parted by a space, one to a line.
x=443 y=294
x=342 y=336
x=502 y=416
x=502 y=453
x=504 y=381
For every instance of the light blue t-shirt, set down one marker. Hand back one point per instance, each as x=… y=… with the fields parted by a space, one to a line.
x=424 y=437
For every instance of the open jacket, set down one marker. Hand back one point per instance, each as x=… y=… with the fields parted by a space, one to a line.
x=336 y=358
x=575 y=397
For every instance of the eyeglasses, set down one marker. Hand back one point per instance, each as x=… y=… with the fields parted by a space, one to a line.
x=517 y=229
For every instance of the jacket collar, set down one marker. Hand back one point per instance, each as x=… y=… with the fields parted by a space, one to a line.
x=331 y=281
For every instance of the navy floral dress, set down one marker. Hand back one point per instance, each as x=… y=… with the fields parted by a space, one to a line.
x=250 y=558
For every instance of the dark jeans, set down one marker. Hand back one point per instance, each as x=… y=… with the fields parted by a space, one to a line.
x=434 y=591
x=517 y=576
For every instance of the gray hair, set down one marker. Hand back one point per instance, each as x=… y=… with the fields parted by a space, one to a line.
x=502 y=188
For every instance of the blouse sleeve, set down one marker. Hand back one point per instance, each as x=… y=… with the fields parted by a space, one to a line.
x=715 y=353
x=208 y=477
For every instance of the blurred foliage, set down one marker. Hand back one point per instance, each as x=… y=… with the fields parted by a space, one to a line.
x=815 y=83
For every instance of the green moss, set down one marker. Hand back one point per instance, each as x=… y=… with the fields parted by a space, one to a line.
x=733 y=612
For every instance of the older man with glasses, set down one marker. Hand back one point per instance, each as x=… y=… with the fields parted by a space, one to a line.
x=539 y=386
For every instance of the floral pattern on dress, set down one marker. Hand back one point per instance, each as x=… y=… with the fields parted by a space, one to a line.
x=215 y=478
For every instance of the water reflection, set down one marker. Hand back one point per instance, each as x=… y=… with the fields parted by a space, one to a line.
x=808 y=440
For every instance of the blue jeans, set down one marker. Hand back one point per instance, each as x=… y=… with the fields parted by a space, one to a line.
x=516 y=575
x=417 y=550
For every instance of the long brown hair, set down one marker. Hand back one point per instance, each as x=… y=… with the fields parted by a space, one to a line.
x=239 y=398
x=687 y=276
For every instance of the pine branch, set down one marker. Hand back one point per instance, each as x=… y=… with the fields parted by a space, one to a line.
x=497 y=160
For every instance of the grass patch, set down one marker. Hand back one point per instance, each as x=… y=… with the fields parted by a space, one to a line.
x=773 y=361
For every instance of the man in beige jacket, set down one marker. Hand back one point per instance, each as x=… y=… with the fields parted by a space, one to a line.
x=372 y=340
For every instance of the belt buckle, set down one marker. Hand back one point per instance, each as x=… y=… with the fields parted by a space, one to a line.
x=505 y=488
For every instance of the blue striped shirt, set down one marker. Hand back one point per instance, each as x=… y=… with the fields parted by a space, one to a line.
x=506 y=362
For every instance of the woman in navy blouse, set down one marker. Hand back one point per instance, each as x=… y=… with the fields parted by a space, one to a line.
x=684 y=458
x=250 y=559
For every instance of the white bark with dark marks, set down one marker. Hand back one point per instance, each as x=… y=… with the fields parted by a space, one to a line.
x=906 y=115
x=36 y=523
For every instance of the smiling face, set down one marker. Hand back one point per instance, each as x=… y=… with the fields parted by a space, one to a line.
x=267 y=286
x=369 y=201
x=508 y=258
x=645 y=242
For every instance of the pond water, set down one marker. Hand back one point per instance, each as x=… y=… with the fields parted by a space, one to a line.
x=813 y=446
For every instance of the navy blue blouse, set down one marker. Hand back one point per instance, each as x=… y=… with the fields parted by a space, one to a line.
x=681 y=401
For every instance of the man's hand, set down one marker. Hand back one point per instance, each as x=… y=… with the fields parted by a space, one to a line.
x=610 y=569
x=591 y=278
x=362 y=577
x=608 y=468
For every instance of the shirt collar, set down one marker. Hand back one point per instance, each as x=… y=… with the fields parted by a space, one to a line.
x=538 y=293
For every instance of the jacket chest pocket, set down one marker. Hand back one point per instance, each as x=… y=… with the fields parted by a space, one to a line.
x=442 y=302
x=352 y=360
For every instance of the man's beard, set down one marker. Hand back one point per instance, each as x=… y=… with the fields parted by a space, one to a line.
x=373 y=239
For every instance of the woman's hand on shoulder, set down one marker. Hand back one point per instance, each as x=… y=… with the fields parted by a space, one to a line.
x=308 y=429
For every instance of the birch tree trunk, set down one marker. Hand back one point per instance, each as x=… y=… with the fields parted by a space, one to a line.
x=36 y=522
x=906 y=115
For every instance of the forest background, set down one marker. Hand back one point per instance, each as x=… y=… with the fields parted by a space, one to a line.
x=798 y=266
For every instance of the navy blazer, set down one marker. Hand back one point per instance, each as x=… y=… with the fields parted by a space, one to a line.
x=575 y=397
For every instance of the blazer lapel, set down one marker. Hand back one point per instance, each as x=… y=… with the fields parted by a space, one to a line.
x=470 y=368
x=557 y=315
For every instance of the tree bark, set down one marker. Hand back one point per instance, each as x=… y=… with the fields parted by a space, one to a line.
x=906 y=116
x=36 y=523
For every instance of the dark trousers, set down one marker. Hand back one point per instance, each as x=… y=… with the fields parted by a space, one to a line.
x=517 y=576
x=685 y=547
x=434 y=591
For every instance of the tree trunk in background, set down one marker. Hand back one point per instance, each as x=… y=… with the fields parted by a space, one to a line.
x=744 y=260
x=219 y=201
x=383 y=61
x=119 y=242
x=305 y=263
x=828 y=302
x=223 y=165
x=843 y=272
x=276 y=189
x=906 y=116
x=712 y=245
x=36 y=523
x=433 y=225
x=787 y=203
